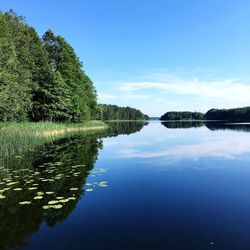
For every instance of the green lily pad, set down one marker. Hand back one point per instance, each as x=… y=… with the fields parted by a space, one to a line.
x=58 y=206
x=12 y=183
x=64 y=200
x=17 y=189
x=24 y=202
x=39 y=197
x=103 y=184
x=72 y=198
x=33 y=188
x=46 y=207
x=53 y=202
x=49 y=192
x=89 y=189
x=59 y=198
x=73 y=189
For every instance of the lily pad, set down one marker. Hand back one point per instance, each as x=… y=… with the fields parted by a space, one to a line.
x=12 y=183
x=64 y=200
x=73 y=189
x=89 y=189
x=46 y=207
x=59 y=198
x=57 y=206
x=24 y=202
x=39 y=197
x=72 y=198
x=17 y=189
x=49 y=192
x=53 y=202
x=103 y=184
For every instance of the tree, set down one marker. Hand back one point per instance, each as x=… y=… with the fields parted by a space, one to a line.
x=63 y=59
x=113 y=112
x=15 y=83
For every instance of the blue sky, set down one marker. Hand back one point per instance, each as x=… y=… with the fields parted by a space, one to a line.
x=156 y=55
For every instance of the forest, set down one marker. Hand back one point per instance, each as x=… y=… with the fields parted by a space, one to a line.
x=42 y=79
x=236 y=114
x=113 y=112
x=182 y=115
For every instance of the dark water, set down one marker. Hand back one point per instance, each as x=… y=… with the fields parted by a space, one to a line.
x=163 y=186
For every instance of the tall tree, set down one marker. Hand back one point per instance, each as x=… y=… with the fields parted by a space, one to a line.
x=63 y=59
x=15 y=83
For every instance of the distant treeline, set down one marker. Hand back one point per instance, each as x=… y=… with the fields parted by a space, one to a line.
x=182 y=115
x=113 y=112
x=236 y=114
x=42 y=79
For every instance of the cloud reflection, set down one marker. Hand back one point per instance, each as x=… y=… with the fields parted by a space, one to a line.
x=227 y=148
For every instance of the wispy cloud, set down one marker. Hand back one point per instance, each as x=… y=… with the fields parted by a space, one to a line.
x=104 y=96
x=226 y=89
x=162 y=91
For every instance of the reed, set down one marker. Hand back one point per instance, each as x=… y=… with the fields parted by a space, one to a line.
x=17 y=139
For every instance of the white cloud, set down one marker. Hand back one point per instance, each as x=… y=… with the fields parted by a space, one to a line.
x=160 y=92
x=104 y=96
x=226 y=89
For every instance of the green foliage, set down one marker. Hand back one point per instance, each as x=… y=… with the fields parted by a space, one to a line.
x=113 y=112
x=41 y=79
x=15 y=83
x=237 y=114
x=81 y=93
x=183 y=115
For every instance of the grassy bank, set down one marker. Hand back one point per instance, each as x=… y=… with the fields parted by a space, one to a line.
x=49 y=128
x=19 y=138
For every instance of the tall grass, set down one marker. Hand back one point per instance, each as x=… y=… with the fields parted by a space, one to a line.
x=17 y=139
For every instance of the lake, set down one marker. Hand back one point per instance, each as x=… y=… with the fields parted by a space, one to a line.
x=179 y=185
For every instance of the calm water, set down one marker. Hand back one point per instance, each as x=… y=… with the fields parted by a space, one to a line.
x=161 y=186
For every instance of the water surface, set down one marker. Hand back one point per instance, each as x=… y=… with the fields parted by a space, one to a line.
x=161 y=186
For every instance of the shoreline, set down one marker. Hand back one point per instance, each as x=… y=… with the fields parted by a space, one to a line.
x=46 y=129
x=69 y=130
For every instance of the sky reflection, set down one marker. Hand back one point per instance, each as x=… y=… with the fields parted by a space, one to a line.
x=181 y=144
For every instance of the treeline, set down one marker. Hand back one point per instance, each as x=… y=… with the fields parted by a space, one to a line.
x=41 y=78
x=236 y=114
x=182 y=115
x=113 y=112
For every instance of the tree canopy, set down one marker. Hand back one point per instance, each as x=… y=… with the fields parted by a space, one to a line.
x=41 y=79
x=113 y=112
x=182 y=115
x=236 y=114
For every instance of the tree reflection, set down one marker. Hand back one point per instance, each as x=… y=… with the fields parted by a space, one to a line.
x=55 y=167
